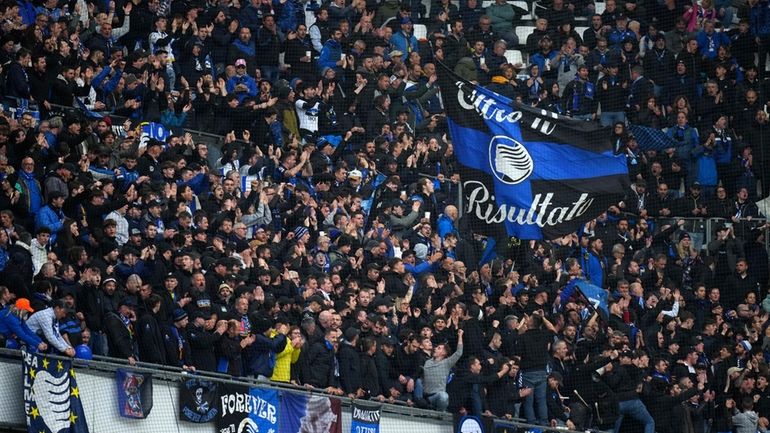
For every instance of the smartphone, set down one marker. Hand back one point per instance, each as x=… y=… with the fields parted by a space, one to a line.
x=307 y=54
x=427 y=215
x=482 y=60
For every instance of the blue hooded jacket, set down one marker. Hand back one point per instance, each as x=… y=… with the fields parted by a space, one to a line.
x=11 y=325
x=262 y=353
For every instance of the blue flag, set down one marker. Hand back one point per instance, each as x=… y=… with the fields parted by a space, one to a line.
x=538 y=174
x=567 y=292
x=365 y=418
x=134 y=393
x=305 y=413
x=86 y=112
x=152 y=131
x=596 y=296
x=51 y=396
x=651 y=138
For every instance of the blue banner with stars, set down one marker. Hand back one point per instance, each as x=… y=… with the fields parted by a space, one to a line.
x=51 y=396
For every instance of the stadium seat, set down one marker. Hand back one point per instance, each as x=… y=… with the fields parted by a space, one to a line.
x=600 y=7
x=420 y=31
x=514 y=56
x=522 y=32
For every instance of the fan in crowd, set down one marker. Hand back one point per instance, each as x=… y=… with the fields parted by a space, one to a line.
x=319 y=242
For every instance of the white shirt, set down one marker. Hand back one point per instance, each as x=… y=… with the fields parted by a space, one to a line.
x=308 y=117
x=44 y=323
x=39 y=255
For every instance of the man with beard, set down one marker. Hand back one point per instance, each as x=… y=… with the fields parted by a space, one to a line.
x=203 y=334
x=299 y=53
x=691 y=205
x=63 y=88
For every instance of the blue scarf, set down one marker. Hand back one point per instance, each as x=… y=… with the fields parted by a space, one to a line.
x=249 y=48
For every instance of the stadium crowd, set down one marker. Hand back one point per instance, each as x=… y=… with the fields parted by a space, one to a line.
x=324 y=247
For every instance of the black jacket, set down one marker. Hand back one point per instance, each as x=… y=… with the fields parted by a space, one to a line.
x=350 y=368
x=370 y=382
x=322 y=365
x=149 y=334
x=202 y=345
x=120 y=337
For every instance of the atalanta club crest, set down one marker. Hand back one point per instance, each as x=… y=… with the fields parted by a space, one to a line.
x=509 y=160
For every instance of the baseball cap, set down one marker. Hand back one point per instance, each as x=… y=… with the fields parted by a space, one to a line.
x=23 y=304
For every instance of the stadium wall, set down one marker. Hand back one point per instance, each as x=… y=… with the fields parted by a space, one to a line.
x=99 y=396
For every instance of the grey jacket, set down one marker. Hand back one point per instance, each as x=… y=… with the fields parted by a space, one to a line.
x=435 y=372
x=745 y=422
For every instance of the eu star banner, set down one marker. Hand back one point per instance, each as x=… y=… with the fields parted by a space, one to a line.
x=538 y=174
x=365 y=418
x=198 y=400
x=51 y=396
x=247 y=410
x=310 y=414
x=134 y=393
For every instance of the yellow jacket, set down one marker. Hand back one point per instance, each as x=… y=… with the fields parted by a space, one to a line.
x=283 y=361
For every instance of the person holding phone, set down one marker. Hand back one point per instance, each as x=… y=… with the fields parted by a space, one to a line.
x=299 y=53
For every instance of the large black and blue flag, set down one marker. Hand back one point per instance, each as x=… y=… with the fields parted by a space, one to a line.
x=539 y=174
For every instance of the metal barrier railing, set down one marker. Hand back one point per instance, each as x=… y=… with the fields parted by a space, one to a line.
x=104 y=365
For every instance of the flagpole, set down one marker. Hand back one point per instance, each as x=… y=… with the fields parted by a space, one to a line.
x=590 y=306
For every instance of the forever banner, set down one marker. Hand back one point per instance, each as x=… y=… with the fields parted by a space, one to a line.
x=134 y=393
x=198 y=400
x=246 y=410
x=535 y=173
x=365 y=418
x=51 y=396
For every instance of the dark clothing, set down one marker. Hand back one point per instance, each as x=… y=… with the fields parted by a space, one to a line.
x=202 y=345
x=120 y=336
x=260 y=357
x=324 y=371
x=149 y=333
x=533 y=347
x=350 y=366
